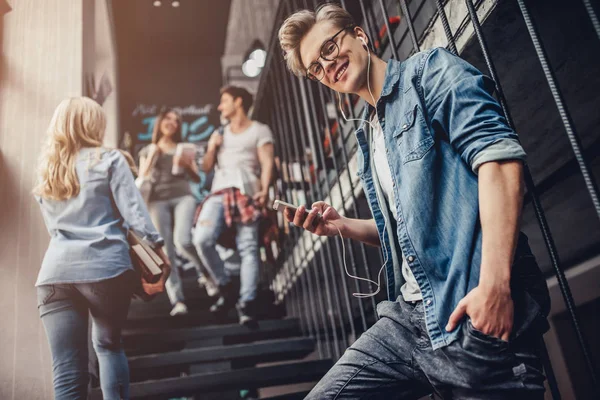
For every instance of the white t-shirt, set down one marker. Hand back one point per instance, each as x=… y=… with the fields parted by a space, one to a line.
x=410 y=290
x=237 y=159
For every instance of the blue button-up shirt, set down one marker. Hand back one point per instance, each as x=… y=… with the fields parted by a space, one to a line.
x=438 y=117
x=88 y=232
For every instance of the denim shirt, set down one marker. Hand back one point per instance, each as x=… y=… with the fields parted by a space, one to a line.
x=438 y=116
x=88 y=232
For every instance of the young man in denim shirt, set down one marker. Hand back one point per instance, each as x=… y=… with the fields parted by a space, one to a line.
x=442 y=172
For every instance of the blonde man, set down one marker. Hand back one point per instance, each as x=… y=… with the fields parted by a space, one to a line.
x=442 y=172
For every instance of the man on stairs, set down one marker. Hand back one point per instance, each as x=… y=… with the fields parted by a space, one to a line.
x=442 y=172
x=242 y=156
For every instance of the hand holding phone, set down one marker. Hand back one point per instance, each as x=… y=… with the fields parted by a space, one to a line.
x=280 y=205
x=321 y=219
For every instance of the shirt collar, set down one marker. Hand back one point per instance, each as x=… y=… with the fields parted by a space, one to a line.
x=392 y=77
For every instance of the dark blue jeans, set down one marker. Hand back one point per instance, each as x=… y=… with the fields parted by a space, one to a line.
x=64 y=311
x=394 y=360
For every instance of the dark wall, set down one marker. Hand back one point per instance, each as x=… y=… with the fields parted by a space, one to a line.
x=574 y=54
x=148 y=86
x=169 y=57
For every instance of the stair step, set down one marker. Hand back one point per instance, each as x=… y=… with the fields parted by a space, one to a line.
x=288 y=396
x=195 y=297
x=212 y=359
x=282 y=348
x=195 y=300
x=165 y=339
x=250 y=378
x=149 y=318
x=152 y=320
x=168 y=334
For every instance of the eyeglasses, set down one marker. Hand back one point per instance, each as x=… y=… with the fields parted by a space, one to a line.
x=329 y=52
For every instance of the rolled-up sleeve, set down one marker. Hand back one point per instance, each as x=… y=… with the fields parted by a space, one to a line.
x=459 y=102
x=129 y=201
x=503 y=150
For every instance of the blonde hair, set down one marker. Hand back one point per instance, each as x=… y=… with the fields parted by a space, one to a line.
x=130 y=162
x=297 y=25
x=77 y=122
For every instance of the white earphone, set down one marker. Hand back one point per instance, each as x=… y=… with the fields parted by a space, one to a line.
x=373 y=127
x=365 y=45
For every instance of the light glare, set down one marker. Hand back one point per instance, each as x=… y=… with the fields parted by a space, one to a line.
x=260 y=56
x=251 y=69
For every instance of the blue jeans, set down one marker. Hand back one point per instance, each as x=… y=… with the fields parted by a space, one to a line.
x=394 y=359
x=174 y=219
x=210 y=225
x=64 y=312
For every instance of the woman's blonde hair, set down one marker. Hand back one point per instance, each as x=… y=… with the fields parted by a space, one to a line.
x=297 y=25
x=77 y=122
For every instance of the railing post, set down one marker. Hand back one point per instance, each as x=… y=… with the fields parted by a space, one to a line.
x=389 y=30
x=593 y=17
x=446 y=25
x=590 y=181
x=411 y=27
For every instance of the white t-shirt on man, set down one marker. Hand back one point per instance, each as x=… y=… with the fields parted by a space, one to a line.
x=237 y=159
x=410 y=289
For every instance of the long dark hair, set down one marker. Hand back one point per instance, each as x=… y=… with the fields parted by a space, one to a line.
x=157 y=134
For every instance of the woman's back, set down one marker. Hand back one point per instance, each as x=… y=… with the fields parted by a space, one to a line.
x=88 y=231
x=88 y=200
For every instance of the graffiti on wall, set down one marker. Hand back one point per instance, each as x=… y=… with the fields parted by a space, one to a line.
x=198 y=123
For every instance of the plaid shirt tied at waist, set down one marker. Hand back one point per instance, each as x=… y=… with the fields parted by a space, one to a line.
x=238 y=207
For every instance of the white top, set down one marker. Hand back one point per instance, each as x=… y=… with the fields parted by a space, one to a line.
x=237 y=159
x=410 y=290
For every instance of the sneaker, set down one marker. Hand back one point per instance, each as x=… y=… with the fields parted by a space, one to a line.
x=179 y=309
x=211 y=289
x=226 y=300
x=245 y=313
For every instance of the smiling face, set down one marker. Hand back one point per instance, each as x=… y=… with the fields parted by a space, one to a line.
x=228 y=106
x=169 y=124
x=348 y=72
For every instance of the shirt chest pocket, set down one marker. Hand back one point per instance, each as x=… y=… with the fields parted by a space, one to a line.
x=412 y=136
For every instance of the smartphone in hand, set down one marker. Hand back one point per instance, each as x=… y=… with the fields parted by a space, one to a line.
x=280 y=206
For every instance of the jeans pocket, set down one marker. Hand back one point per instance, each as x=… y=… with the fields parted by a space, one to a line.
x=44 y=294
x=483 y=338
x=482 y=361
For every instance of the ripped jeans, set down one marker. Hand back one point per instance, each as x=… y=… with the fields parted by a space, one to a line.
x=211 y=223
x=174 y=218
x=394 y=360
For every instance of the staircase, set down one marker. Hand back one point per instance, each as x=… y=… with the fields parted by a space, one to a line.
x=197 y=356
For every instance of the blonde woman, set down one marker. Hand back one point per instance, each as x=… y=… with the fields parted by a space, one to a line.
x=89 y=200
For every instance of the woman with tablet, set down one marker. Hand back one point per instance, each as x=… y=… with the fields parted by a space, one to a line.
x=169 y=165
